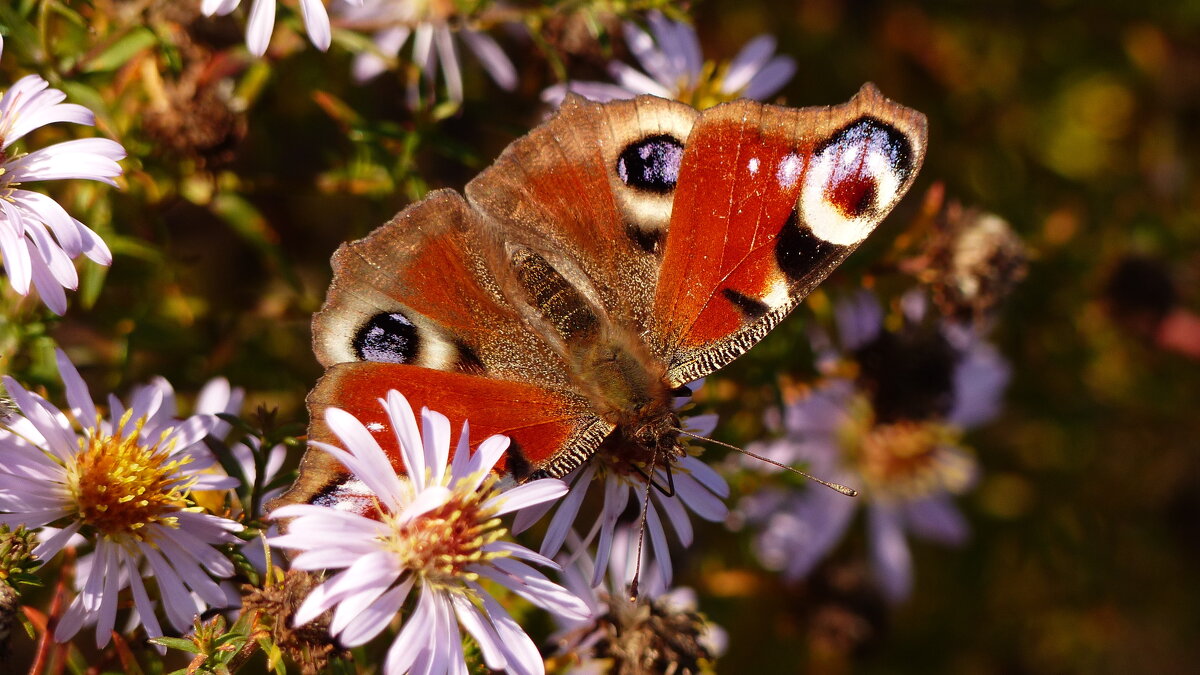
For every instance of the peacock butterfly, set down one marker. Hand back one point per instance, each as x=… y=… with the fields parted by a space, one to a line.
x=607 y=258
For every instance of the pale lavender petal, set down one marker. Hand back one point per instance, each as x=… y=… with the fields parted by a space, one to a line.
x=481 y=629
x=54 y=260
x=462 y=454
x=493 y=59
x=54 y=428
x=88 y=158
x=449 y=58
x=12 y=249
x=979 y=382
x=177 y=602
x=435 y=430
x=48 y=288
x=859 y=319
x=564 y=518
x=652 y=58
x=141 y=600
x=427 y=500
x=50 y=546
x=375 y=617
x=747 y=63
x=519 y=651
x=365 y=458
x=532 y=585
x=28 y=120
x=191 y=431
x=259 y=26
x=413 y=639
x=616 y=495
x=535 y=492
x=658 y=541
x=220 y=7
x=697 y=498
x=316 y=22
x=518 y=551
x=937 y=519
x=484 y=460
x=54 y=215
x=772 y=78
x=93 y=246
x=678 y=516
x=78 y=396
x=389 y=42
x=636 y=81
x=890 y=557
x=107 y=555
x=595 y=91
x=705 y=475
x=701 y=425
x=404 y=425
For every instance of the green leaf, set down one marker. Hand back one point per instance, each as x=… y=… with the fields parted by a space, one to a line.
x=121 y=51
x=181 y=644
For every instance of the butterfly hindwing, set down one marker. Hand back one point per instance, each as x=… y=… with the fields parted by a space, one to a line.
x=538 y=421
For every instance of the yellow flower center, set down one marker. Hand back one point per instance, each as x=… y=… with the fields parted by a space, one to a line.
x=907 y=458
x=706 y=91
x=120 y=484
x=440 y=544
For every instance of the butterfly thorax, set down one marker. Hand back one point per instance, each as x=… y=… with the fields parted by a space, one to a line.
x=628 y=389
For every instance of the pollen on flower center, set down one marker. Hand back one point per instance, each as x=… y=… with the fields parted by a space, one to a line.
x=441 y=543
x=908 y=457
x=121 y=484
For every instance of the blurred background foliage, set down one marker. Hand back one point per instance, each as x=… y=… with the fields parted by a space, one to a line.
x=1077 y=121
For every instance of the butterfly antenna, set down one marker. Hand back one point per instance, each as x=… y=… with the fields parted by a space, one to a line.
x=637 y=565
x=836 y=487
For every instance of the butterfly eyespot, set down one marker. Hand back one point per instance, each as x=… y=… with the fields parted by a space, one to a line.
x=651 y=164
x=388 y=337
x=852 y=180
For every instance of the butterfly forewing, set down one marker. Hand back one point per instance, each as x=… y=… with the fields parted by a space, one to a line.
x=770 y=201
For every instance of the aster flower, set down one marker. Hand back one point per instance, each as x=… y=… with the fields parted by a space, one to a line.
x=698 y=488
x=435 y=533
x=675 y=68
x=38 y=238
x=124 y=485
x=432 y=28
x=622 y=635
x=893 y=434
x=261 y=22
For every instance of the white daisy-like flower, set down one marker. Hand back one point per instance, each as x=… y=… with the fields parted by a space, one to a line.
x=697 y=488
x=435 y=534
x=675 y=68
x=261 y=23
x=124 y=485
x=38 y=238
x=432 y=27
x=627 y=635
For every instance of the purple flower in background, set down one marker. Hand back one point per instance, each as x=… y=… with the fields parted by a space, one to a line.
x=893 y=432
x=432 y=29
x=675 y=68
x=436 y=534
x=38 y=238
x=261 y=22
x=125 y=484
x=698 y=489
